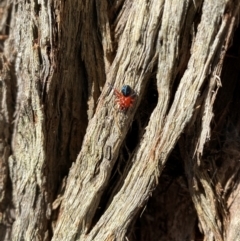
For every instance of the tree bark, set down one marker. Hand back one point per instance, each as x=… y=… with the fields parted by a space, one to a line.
x=75 y=167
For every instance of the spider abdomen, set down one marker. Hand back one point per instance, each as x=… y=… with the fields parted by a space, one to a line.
x=124 y=102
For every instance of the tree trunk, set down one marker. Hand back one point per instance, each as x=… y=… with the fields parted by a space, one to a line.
x=74 y=166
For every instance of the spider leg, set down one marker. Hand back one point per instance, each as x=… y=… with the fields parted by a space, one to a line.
x=116 y=92
x=134 y=93
x=110 y=85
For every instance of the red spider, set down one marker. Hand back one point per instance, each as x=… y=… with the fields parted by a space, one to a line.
x=125 y=98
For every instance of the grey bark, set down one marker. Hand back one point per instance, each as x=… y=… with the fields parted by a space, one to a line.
x=63 y=137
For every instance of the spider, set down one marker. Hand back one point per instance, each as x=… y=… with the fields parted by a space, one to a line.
x=125 y=98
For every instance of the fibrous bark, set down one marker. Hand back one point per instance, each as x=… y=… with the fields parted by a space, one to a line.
x=65 y=55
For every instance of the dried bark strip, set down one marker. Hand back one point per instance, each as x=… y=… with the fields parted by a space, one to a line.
x=50 y=117
x=209 y=204
x=27 y=161
x=148 y=164
x=89 y=176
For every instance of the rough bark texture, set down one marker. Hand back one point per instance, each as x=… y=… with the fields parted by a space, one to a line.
x=74 y=167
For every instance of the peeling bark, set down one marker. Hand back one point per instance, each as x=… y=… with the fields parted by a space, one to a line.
x=74 y=167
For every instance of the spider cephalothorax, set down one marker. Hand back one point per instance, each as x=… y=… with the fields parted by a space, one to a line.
x=125 y=98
